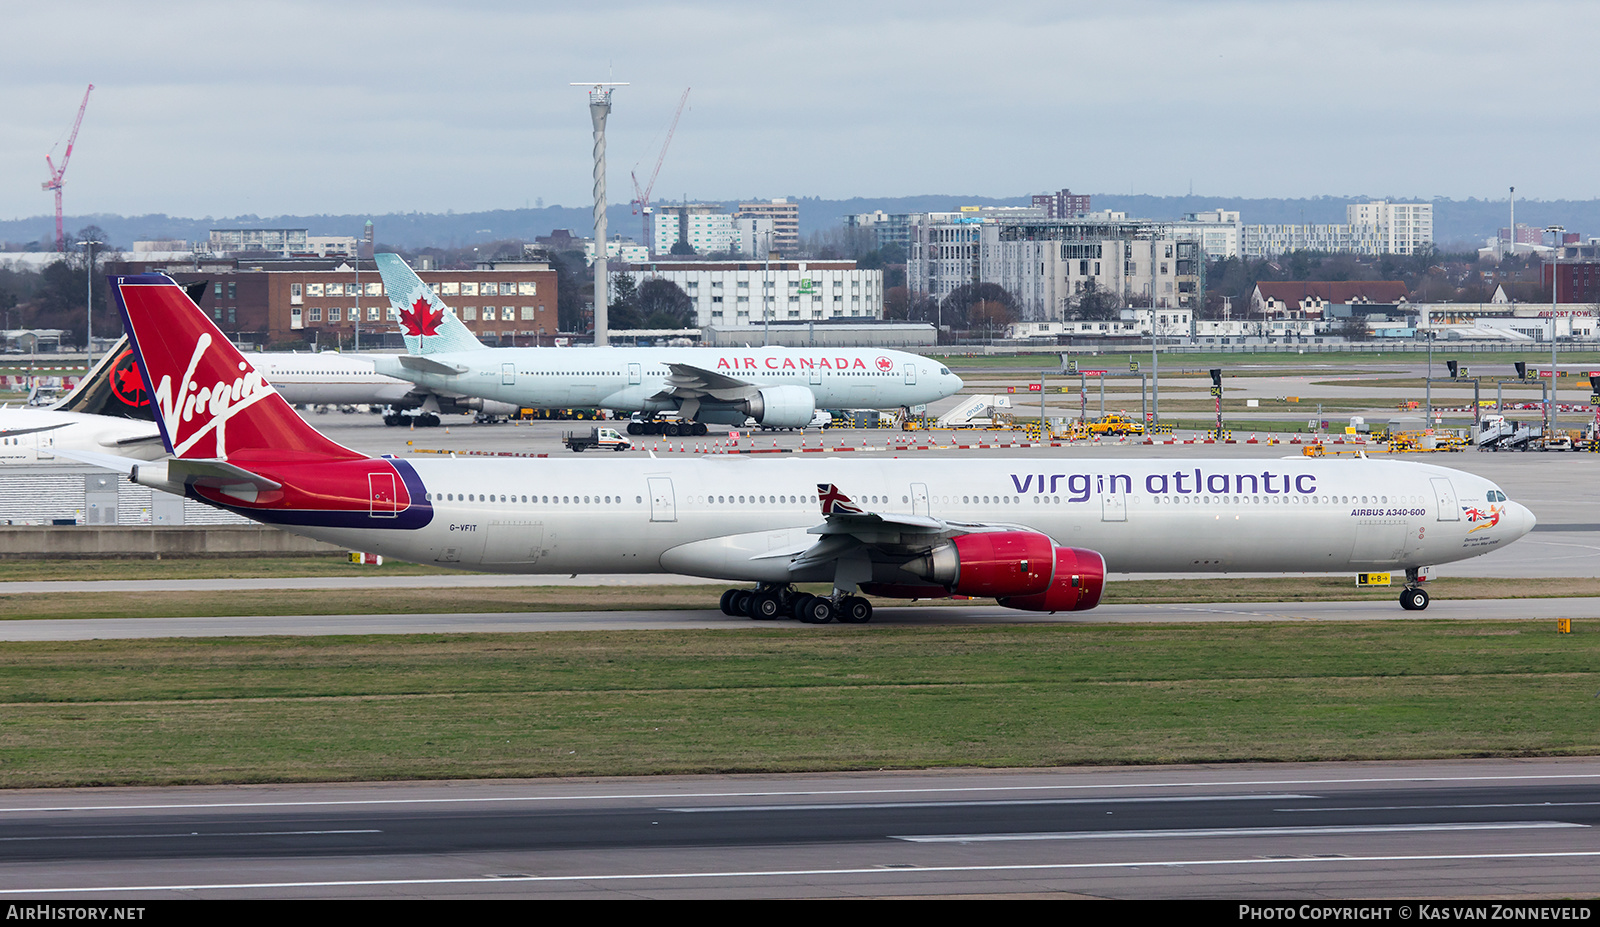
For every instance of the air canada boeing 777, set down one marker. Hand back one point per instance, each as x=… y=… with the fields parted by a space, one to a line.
x=778 y=387
x=1036 y=534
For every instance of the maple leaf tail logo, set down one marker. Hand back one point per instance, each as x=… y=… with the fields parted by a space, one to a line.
x=127 y=383
x=421 y=319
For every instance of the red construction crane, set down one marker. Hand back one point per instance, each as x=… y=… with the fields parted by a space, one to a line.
x=54 y=183
x=641 y=198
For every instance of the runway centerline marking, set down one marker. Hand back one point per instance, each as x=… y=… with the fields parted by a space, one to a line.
x=1330 y=829
x=244 y=833
x=839 y=806
x=1522 y=804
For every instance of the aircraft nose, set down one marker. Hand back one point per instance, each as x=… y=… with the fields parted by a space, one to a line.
x=953 y=385
x=1522 y=520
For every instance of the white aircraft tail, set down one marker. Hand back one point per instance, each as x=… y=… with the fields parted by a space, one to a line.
x=428 y=325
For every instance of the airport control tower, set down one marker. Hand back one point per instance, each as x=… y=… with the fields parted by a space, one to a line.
x=599 y=109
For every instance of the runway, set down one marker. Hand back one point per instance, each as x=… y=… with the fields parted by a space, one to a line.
x=1470 y=829
x=70 y=629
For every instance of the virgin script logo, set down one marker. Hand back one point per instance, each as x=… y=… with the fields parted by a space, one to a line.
x=214 y=404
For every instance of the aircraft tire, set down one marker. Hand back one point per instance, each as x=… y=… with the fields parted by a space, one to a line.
x=727 y=603
x=764 y=606
x=634 y=428
x=1414 y=600
x=699 y=429
x=814 y=609
x=741 y=602
x=855 y=610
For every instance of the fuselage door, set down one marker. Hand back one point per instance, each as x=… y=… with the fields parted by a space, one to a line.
x=816 y=377
x=508 y=374
x=382 y=499
x=1114 y=506
x=663 y=504
x=635 y=375
x=919 y=499
x=911 y=374
x=1445 y=495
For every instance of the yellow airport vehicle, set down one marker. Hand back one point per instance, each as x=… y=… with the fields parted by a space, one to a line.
x=1116 y=424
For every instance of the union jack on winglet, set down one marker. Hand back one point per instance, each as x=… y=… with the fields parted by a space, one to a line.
x=835 y=502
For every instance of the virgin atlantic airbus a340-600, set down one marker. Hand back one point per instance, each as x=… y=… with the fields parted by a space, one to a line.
x=1036 y=534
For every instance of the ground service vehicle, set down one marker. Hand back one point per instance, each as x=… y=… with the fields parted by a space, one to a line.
x=1115 y=424
x=603 y=438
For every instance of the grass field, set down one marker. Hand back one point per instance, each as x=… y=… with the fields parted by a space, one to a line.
x=597 y=703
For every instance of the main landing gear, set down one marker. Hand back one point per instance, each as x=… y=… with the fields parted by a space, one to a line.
x=670 y=429
x=769 y=601
x=1413 y=598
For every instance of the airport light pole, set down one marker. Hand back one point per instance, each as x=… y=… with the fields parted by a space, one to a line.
x=1556 y=232
x=599 y=109
x=88 y=335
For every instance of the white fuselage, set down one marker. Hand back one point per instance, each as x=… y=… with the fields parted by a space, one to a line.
x=624 y=379
x=31 y=435
x=330 y=378
x=739 y=519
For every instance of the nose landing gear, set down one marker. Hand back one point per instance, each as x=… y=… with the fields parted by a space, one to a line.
x=1413 y=598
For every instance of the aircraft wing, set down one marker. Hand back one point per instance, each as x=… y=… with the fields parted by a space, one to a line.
x=847 y=528
x=686 y=381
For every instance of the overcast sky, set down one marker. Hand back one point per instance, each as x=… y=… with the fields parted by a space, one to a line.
x=286 y=107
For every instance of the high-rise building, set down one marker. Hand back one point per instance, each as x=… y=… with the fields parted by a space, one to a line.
x=1379 y=227
x=1063 y=204
x=785 y=218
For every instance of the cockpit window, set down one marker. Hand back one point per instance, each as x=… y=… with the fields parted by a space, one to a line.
x=945 y=371
x=1496 y=495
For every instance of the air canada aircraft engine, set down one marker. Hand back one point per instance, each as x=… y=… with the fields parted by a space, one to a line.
x=782 y=406
x=1019 y=569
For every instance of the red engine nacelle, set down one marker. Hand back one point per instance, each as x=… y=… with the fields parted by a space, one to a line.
x=1080 y=577
x=1020 y=569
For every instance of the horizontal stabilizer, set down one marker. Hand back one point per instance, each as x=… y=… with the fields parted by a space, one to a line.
x=217 y=474
x=133 y=440
x=15 y=432
x=427 y=365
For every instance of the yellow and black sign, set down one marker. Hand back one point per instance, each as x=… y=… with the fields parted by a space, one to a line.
x=1216 y=391
x=1133 y=366
x=1373 y=579
x=1563 y=625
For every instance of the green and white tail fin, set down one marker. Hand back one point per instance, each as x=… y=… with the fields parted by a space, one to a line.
x=428 y=325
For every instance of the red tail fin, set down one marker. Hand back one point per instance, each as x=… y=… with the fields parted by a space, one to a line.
x=210 y=402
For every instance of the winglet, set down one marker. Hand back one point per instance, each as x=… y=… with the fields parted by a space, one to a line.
x=835 y=502
x=428 y=325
